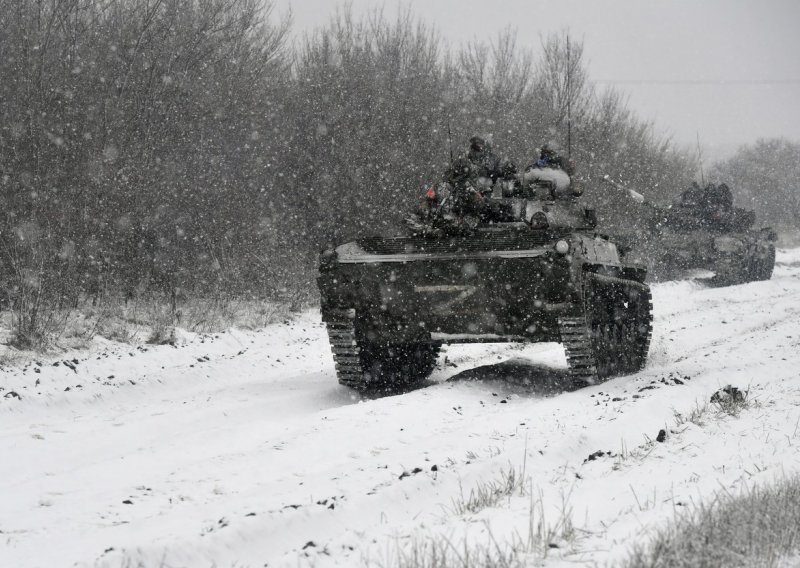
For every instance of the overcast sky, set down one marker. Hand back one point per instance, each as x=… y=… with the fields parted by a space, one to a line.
x=726 y=70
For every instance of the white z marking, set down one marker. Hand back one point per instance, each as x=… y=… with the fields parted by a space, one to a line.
x=446 y=308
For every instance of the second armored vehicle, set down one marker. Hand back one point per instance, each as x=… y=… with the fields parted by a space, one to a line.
x=511 y=264
x=703 y=230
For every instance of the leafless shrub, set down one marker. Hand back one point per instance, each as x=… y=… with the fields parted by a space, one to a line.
x=37 y=290
x=162 y=325
x=694 y=416
x=150 y=318
x=491 y=493
x=443 y=553
x=543 y=535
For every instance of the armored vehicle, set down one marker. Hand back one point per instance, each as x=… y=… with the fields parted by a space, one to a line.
x=519 y=262
x=703 y=230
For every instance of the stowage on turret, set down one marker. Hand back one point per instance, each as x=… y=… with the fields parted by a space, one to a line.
x=492 y=256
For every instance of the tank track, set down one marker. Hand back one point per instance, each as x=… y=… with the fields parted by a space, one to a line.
x=577 y=341
x=346 y=352
x=755 y=264
x=367 y=366
x=767 y=263
x=582 y=337
x=761 y=263
x=645 y=298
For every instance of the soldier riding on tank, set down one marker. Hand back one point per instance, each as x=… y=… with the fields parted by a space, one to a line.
x=460 y=200
x=550 y=172
x=489 y=168
x=549 y=157
x=487 y=164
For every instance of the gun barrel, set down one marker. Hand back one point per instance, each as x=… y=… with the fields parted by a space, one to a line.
x=635 y=195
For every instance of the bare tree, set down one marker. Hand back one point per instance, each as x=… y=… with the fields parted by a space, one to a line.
x=763 y=176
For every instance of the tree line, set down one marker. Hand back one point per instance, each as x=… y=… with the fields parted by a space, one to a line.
x=765 y=177
x=190 y=147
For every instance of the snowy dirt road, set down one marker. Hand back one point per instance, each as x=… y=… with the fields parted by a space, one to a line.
x=240 y=449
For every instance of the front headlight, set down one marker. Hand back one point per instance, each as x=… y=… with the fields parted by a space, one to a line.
x=562 y=247
x=539 y=220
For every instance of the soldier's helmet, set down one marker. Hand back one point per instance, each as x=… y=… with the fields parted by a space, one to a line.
x=549 y=150
x=461 y=168
x=507 y=168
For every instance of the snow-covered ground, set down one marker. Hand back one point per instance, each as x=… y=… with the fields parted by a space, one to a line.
x=240 y=449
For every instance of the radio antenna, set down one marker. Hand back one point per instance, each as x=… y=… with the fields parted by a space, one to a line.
x=449 y=140
x=569 y=101
x=700 y=159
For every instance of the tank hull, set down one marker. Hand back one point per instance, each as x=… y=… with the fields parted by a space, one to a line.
x=481 y=295
x=734 y=258
x=407 y=296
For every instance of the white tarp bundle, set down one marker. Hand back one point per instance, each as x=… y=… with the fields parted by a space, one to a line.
x=559 y=179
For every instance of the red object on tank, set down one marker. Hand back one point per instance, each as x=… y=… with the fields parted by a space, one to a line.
x=431 y=193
